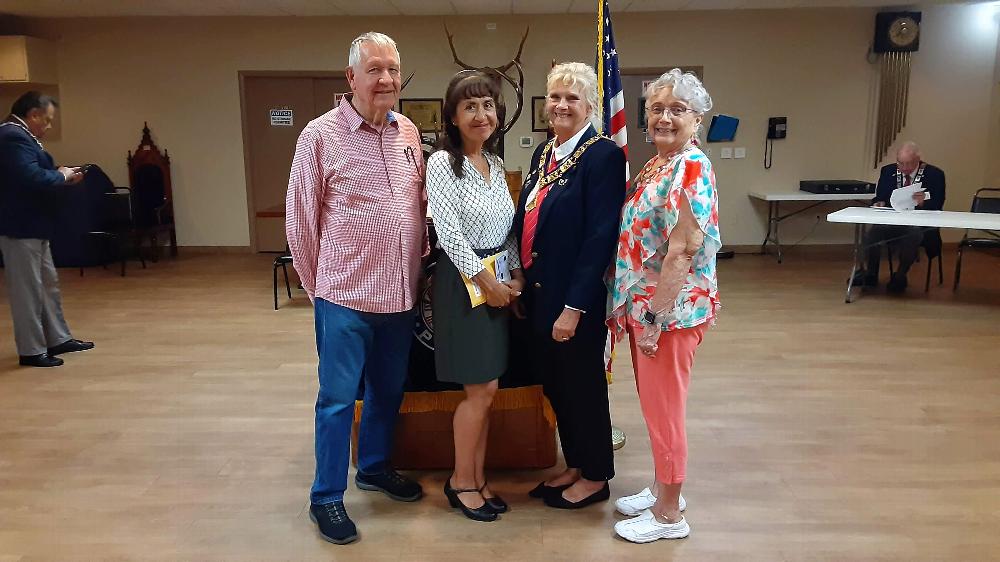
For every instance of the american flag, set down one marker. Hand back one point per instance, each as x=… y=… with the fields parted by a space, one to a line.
x=609 y=81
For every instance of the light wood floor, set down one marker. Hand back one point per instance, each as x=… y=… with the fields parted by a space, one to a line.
x=818 y=430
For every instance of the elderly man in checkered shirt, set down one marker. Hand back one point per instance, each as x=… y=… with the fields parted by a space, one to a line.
x=355 y=222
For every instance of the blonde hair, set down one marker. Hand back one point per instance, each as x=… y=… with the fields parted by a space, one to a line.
x=580 y=77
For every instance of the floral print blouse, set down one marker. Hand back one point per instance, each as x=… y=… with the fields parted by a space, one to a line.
x=651 y=211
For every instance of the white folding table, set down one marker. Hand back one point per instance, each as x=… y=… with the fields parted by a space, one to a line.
x=860 y=216
x=774 y=216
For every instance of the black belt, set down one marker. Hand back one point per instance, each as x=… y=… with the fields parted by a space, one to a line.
x=487 y=253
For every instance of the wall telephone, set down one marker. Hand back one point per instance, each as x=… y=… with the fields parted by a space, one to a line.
x=777 y=128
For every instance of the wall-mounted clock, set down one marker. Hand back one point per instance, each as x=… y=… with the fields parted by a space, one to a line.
x=897 y=32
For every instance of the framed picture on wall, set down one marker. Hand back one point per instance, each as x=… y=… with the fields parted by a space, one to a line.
x=539 y=121
x=424 y=112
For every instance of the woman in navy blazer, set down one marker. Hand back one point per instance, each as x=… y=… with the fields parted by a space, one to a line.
x=567 y=224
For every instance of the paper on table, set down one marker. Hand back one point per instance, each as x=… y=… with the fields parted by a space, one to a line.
x=901 y=198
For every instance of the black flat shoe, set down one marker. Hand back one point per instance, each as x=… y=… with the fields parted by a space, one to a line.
x=559 y=502
x=541 y=490
x=481 y=513
x=71 y=346
x=496 y=503
x=40 y=360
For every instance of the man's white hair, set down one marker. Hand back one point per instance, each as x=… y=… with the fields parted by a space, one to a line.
x=373 y=37
x=909 y=146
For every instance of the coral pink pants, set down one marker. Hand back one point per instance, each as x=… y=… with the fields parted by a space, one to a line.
x=662 y=382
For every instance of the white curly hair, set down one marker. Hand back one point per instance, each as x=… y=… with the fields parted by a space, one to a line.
x=686 y=86
x=581 y=78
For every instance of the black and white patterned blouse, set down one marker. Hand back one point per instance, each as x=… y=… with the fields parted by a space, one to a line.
x=470 y=213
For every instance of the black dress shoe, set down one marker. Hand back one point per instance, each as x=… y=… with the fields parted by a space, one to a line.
x=481 y=513
x=862 y=279
x=496 y=503
x=334 y=524
x=390 y=483
x=559 y=502
x=70 y=346
x=40 y=360
x=541 y=490
x=896 y=285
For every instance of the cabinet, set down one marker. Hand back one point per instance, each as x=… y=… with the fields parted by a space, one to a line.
x=27 y=60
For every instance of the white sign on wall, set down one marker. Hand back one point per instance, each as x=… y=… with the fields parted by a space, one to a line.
x=281 y=117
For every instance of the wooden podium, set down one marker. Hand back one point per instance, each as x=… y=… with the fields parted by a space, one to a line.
x=522 y=430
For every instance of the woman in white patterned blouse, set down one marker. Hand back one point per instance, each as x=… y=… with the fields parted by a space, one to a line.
x=473 y=212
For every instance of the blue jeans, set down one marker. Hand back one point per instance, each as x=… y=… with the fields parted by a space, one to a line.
x=352 y=345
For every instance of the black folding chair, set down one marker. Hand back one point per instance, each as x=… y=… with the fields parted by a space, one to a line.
x=986 y=200
x=282 y=262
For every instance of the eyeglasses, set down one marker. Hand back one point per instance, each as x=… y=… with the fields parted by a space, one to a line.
x=674 y=110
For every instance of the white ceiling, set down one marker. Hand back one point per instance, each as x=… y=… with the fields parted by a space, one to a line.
x=119 y=8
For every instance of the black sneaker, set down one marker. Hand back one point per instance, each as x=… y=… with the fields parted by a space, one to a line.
x=334 y=524
x=392 y=484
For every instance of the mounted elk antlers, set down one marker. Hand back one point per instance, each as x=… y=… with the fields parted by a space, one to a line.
x=499 y=73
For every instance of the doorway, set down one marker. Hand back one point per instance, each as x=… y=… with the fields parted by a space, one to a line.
x=275 y=108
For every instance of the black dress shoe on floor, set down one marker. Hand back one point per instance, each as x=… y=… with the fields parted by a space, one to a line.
x=541 y=490
x=40 y=360
x=333 y=523
x=390 y=483
x=559 y=502
x=896 y=285
x=496 y=503
x=862 y=279
x=482 y=513
x=71 y=346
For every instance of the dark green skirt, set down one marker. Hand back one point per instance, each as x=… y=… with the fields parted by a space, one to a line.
x=470 y=344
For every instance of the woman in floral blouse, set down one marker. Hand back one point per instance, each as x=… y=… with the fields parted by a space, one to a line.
x=664 y=293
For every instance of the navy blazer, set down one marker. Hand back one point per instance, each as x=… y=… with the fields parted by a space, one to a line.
x=576 y=237
x=29 y=184
x=933 y=182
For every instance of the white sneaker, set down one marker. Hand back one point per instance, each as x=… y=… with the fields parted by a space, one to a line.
x=645 y=528
x=637 y=503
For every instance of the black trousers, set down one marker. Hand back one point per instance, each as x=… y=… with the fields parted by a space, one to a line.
x=573 y=379
x=905 y=242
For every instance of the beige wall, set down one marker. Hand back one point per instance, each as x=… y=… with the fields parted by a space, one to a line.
x=180 y=75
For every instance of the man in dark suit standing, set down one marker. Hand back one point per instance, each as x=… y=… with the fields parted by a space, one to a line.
x=904 y=240
x=29 y=187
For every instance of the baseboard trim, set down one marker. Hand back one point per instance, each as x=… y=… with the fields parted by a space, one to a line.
x=214 y=249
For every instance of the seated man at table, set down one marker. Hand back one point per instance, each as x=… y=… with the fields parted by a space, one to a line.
x=903 y=240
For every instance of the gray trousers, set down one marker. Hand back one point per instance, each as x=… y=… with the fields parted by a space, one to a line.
x=33 y=291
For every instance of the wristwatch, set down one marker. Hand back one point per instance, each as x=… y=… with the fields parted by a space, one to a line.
x=649 y=317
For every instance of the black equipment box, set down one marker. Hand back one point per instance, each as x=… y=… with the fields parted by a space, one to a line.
x=836 y=186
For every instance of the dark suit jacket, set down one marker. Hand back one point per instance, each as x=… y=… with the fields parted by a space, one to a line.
x=29 y=183
x=575 y=239
x=933 y=182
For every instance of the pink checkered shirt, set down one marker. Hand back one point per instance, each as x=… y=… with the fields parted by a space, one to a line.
x=355 y=213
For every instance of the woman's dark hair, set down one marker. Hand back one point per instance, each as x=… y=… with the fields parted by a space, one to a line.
x=464 y=85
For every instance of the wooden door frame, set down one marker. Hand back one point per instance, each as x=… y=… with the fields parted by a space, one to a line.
x=242 y=75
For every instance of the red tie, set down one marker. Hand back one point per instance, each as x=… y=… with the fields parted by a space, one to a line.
x=531 y=219
x=906 y=180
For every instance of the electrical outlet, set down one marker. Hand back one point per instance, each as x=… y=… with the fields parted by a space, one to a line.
x=740 y=152
x=726 y=153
